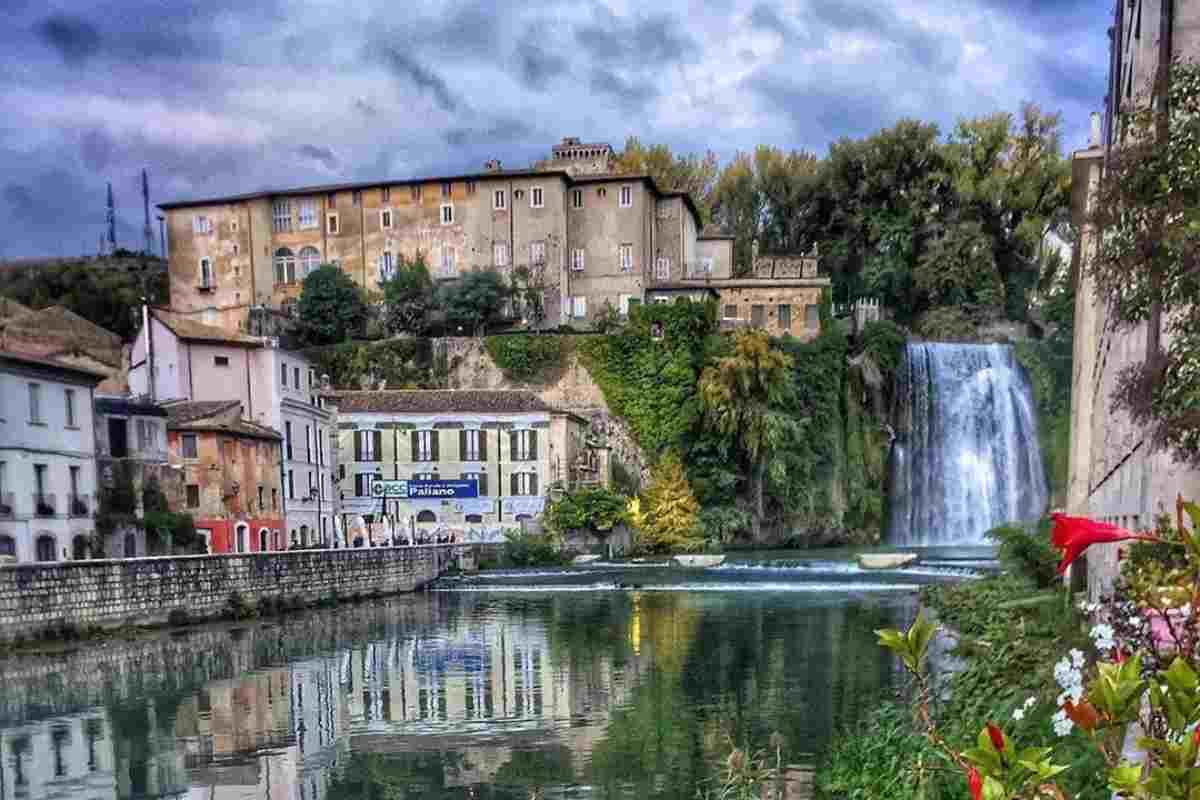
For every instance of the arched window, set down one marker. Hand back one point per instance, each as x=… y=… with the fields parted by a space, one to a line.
x=285 y=266
x=242 y=532
x=130 y=545
x=264 y=540
x=279 y=543
x=8 y=546
x=304 y=536
x=474 y=517
x=523 y=517
x=47 y=549
x=79 y=548
x=310 y=259
x=426 y=516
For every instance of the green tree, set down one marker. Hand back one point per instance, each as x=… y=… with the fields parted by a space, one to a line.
x=691 y=173
x=741 y=394
x=597 y=509
x=959 y=268
x=408 y=296
x=476 y=301
x=667 y=516
x=332 y=307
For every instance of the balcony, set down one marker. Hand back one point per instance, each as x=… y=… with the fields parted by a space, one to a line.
x=6 y=505
x=80 y=505
x=43 y=504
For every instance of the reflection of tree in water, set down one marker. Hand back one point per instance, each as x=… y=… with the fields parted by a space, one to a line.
x=391 y=776
x=537 y=768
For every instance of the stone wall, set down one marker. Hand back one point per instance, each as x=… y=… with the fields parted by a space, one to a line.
x=38 y=597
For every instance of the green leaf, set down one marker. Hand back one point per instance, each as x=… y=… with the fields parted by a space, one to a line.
x=1180 y=677
x=1125 y=778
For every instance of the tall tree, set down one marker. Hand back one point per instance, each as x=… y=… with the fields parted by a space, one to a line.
x=741 y=394
x=692 y=173
x=476 y=301
x=332 y=308
x=408 y=296
x=667 y=515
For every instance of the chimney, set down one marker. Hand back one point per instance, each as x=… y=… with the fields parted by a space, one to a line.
x=492 y=165
x=1094 y=138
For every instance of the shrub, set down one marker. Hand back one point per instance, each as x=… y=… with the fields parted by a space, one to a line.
x=474 y=302
x=522 y=549
x=1026 y=550
x=876 y=758
x=408 y=297
x=526 y=357
x=238 y=606
x=332 y=307
x=883 y=342
x=596 y=509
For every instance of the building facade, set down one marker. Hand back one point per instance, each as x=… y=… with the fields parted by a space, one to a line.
x=1115 y=472
x=131 y=458
x=512 y=444
x=231 y=476
x=47 y=459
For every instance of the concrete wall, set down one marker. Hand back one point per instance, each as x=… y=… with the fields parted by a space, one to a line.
x=146 y=590
x=599 y=229
x=802 y=301
x=721 y=253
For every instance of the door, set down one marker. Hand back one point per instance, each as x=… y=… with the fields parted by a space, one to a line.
x=758 y=316
x=118 y=437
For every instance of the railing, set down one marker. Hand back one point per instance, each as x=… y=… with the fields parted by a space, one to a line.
x=6 y=505
x=43 y=504
x=79 y=505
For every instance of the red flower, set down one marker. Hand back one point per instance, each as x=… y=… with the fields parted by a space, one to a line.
x=1196 y=737
x=1084 y=714
x=1073 y=535
x=975 y=784
x=997 y=737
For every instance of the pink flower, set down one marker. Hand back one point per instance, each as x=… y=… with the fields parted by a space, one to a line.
x=1073 y=535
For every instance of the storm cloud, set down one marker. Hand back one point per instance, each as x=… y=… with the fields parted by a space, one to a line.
x=227 y=96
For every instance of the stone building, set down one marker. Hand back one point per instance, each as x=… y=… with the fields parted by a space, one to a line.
x=1115 y=473
x=277 y=389
x=230 y=474
x=516 y=447
x=131 y=457
x=47 y=459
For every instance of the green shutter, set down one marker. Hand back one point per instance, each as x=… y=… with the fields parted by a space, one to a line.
x=462 y=445
x=378 y=437
x=483 y=444
x=533 y=484
x=413 y=438
x=434 y=438
x=512 y=479
x=512 y=445
x=483 y=484
x=533 y=445
x=357 y=446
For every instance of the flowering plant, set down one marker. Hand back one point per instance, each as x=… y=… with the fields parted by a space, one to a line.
x=1154 y=683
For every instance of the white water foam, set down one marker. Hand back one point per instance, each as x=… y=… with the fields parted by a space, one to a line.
x=756 y=586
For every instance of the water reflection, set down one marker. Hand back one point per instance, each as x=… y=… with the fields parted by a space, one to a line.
x=480 y=694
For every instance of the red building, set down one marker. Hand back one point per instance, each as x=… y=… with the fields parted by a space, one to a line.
x=230 y=475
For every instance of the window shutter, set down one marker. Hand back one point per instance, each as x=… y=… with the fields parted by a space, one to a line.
x=533 y=445
x=433 y=444
x=533 y=484
x=358 y=445
x=513 y=481
x=483 y=484
x=483 y=444
x=413 y=437
x=378 y=436
x=462 y=445
x=512 y=445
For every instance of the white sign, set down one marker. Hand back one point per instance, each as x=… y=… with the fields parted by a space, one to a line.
x=523 y=505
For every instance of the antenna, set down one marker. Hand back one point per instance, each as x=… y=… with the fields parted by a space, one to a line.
x=111 y=219
x=147 y=231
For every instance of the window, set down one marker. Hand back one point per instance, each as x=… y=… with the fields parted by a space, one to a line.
x=69 y=398
x=525 y=484
x=626 y=196
x=287 y=439
x=35 y=403
x=579 y=307
x=385 y=196
x=331 y=199
x=784 y=314
x=8 y=546
x=662 y=268
x=480 y=478
x=291 y=486
x=424 y=447
x=206 y=274
x=536 y=197
x=193 y=495
x=220 y=361
x=368 y=445
x=283 y=374
x=472 y=446
x=285 y=266
x=281 y=216
x=188 y=445
x=308 y=449
x=331 y=223
x=625 y=257
x=201 y=224
x=758 y=316
x=260 y=497
x=523 y=445
x=471 y=187
x=499 y=200
x=426 y=516
x=625 y=302
x=812 y=317
x=355 y=197
x=385 y=218
x=362 y=484
x=424 y=476
x=47 y=550
x=274 y=499
x=577 y=260
x=446 y=190
x=415 y=193
x=296 y=377
x=447 y=214
x=307 y=216
x=537 y=253
x=500 y=254
x=731 y=311
x=577 y=198
x=310 y=259
x=602 y=192
x=447 y=260
x=706 y=265
x=477 y=518
x=385 y=266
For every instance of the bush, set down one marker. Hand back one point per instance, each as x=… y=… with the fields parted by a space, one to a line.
x=1026 y=550
x=523 y=549
x=474 y=302
x=239 y=607
x=526 y=357
x=593 y=509
x=876 y=758
x=408 y=297
x=883 y=342
x=332 y=307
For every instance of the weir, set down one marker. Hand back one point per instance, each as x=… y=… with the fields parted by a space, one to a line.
x=967 y=458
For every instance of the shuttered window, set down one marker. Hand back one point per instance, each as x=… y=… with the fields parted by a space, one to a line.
x=524 y=484
x=472 y=445
x=480 y=478
x=424 y=446
x=522 y=445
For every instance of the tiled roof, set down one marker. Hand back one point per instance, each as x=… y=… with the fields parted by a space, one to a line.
x=184 y=412
x=192 y=331
x=212 y=416
x=63 y=321
x=440 y=401
x=128 y=406
x=28 y=360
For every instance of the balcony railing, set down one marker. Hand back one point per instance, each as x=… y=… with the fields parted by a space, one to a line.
x=80 y=505
x=7 y=509
x=43 y=504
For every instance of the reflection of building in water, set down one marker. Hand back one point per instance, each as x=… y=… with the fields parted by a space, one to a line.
x=59 y=757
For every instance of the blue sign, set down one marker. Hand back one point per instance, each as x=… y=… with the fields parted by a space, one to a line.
x=425 y=490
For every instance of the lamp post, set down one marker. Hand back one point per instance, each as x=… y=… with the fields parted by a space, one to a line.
x=382 y=505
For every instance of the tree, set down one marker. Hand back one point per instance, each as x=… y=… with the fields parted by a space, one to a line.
x=694 y=174
x=332 y=308
x=408 y=296
x=475 y=301
x=741 y=395
x=1147 y=266
x=959 y=268
x=667 y=515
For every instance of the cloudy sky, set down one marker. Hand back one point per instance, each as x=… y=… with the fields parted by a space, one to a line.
x=229 y=95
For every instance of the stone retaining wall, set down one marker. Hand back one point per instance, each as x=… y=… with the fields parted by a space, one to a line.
x=36 y=598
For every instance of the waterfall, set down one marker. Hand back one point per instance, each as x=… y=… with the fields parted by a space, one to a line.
x=968 y=457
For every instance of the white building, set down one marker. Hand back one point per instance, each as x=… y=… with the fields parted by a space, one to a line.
x=47 y=458
x=277 y=389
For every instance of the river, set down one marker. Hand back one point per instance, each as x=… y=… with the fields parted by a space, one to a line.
x=606 y=682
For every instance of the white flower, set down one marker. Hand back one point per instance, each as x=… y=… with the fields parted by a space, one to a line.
x=1076 y=658
x=1062 y=723
x=1135 y=621
x=1185 y=610
x=1102 y=634
x=1019 y=714
x=1030 y=703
